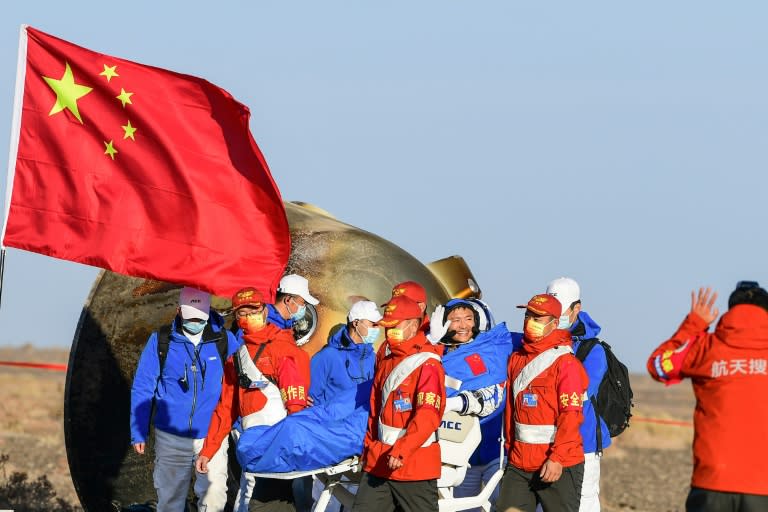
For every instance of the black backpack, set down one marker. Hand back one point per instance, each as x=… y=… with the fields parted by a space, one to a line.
x=164 y=340
x=613 y=402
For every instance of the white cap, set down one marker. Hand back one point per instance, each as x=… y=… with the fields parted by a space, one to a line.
x=294 y=284
x=566 y=290
x=364 y=310
x=194 y=303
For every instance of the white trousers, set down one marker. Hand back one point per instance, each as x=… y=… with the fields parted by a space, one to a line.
x=247 y=481
x=175 y=458
x=590 y=488
x=475 y=480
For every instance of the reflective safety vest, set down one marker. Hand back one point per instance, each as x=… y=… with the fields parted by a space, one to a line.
x=274 y=410
x=388 y=434
x=536 y=434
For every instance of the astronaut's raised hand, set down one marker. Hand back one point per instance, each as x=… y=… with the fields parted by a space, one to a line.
x=437 y=327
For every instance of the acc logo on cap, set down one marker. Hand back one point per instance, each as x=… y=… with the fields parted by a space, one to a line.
x=246 y=294
x=390 y=309
x=398 y=291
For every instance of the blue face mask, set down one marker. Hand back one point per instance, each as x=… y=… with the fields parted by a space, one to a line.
x=193 y=326
x=564 y=322
x=373 y=334
x=299 y=314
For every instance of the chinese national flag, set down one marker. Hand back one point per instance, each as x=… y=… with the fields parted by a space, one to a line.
x=140 y=170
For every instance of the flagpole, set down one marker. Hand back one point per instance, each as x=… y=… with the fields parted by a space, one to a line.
x=13 y=148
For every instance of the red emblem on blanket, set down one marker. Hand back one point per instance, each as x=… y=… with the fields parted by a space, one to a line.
x=476 y=364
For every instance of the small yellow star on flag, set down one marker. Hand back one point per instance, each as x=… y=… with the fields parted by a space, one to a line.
x=129 y=131
x=125 y=97
x=109 y=72
x=111 y=151
x=67 y=93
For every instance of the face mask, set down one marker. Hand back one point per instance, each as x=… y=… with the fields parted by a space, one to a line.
x=373 y=333
x=395 y=334
x=193 y=326
x=253 y=322
x=564 y=322
x=299 y=314
x=534 y=330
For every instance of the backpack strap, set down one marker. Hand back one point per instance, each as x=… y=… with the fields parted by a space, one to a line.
x=243 y=379
x=222 y=345
x=598 y=427
x=585 y=347
x=163 y=342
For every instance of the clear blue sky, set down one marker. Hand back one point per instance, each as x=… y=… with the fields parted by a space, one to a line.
x=623 y=144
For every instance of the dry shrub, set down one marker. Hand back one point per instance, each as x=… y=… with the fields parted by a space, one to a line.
x=19 y=494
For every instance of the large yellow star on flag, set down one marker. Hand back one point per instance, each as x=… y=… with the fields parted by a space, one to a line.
x=67 y=93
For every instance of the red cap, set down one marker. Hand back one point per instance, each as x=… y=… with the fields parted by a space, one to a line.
x=398 y=309
x=544 y=304
x=247 y=297
x=410 y=289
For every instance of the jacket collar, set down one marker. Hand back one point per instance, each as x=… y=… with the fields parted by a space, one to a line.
x=210 y=333
x=408 y=347
x=268 y=333
x=584 y=328
x=274 y=317
x=555 y=338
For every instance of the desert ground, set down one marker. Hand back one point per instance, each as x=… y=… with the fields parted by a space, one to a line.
x=646 y=469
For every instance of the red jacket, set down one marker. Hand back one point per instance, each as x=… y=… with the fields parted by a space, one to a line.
x=281 y=361
x=554 y=397
x=730 y=380
x=421 y=397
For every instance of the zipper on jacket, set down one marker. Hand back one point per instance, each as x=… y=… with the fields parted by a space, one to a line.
x=194 y=387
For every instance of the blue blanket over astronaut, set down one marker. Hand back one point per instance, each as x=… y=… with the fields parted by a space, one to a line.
x=324 y=435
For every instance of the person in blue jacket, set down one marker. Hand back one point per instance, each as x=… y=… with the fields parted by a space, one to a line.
x=184 y=391
x=348 y=359
x=583 y=328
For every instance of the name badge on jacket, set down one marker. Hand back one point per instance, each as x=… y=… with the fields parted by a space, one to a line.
x=403 y=403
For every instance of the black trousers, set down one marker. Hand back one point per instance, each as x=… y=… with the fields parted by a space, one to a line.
x=380 y=495
x=272 y=495
x=703 y=500
x=523 y=490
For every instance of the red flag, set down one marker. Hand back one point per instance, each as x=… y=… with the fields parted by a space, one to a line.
x=142 y=171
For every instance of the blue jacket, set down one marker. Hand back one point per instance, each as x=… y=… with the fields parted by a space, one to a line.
x=274 y=317
x=339 y=367
x=584 y=328
x=181 y=412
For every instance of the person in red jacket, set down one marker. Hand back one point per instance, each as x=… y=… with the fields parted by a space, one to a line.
x=547 y=386
x=728 y=369
x=267 y=378
x=401 y=455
